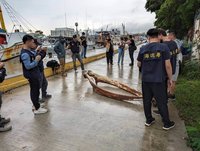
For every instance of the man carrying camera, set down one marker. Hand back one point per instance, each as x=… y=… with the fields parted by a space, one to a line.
x=31 y=72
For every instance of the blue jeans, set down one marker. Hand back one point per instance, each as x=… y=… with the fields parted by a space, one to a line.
x=83 y=53
x=120 y=55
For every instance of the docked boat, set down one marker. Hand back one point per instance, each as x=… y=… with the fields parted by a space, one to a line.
x=10 y=44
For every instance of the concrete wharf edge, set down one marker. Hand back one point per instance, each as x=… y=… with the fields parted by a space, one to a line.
x=17 y=81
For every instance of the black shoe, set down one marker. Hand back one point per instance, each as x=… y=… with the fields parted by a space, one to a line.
x=169 y=126
x=150 y=122
x=156 y=112
x=5 y=128
x=47 y=96
x=4 y=121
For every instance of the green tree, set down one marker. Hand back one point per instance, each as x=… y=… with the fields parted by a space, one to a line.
x=168 y=17
x=153 y=5
x=174 y=14
x=187 y=12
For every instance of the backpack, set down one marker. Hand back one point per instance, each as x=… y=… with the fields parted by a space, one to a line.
x=2 y=74
x=132 y=45
x=135 y=47
x=52 y=64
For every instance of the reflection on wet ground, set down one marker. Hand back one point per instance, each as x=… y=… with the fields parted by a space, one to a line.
x=81 y=120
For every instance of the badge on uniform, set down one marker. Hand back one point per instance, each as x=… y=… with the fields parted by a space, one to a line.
x=152 y=55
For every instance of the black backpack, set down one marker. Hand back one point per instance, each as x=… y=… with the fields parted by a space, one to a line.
x=53 y=64
x=2 y=74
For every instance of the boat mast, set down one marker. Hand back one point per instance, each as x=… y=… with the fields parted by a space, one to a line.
x=2 y=20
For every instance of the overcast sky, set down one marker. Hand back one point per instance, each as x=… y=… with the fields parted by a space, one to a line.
x=95 y=14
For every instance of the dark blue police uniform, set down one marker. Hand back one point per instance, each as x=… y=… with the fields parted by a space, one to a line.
x=32 y=73
x=173 y=52
x=154 y=77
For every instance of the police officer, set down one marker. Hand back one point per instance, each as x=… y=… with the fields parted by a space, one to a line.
x=162 y=35
x=173 y=52
x=31 y=72
x=156 y=72
x=179 y=58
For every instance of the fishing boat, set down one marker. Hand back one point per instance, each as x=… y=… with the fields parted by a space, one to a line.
x=11 y=43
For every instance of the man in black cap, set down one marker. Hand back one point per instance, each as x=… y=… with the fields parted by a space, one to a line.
x=31 y=72
x=74 y=45
x=156 y=72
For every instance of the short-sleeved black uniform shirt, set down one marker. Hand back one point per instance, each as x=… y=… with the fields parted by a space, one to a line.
x=153 y=57
x=173 y=52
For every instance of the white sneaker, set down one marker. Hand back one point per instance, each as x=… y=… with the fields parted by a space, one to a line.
x=42 y=105
x=33 y=108
x=40 y=111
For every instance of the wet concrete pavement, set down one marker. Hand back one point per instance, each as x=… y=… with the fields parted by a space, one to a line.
x=81 y=120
